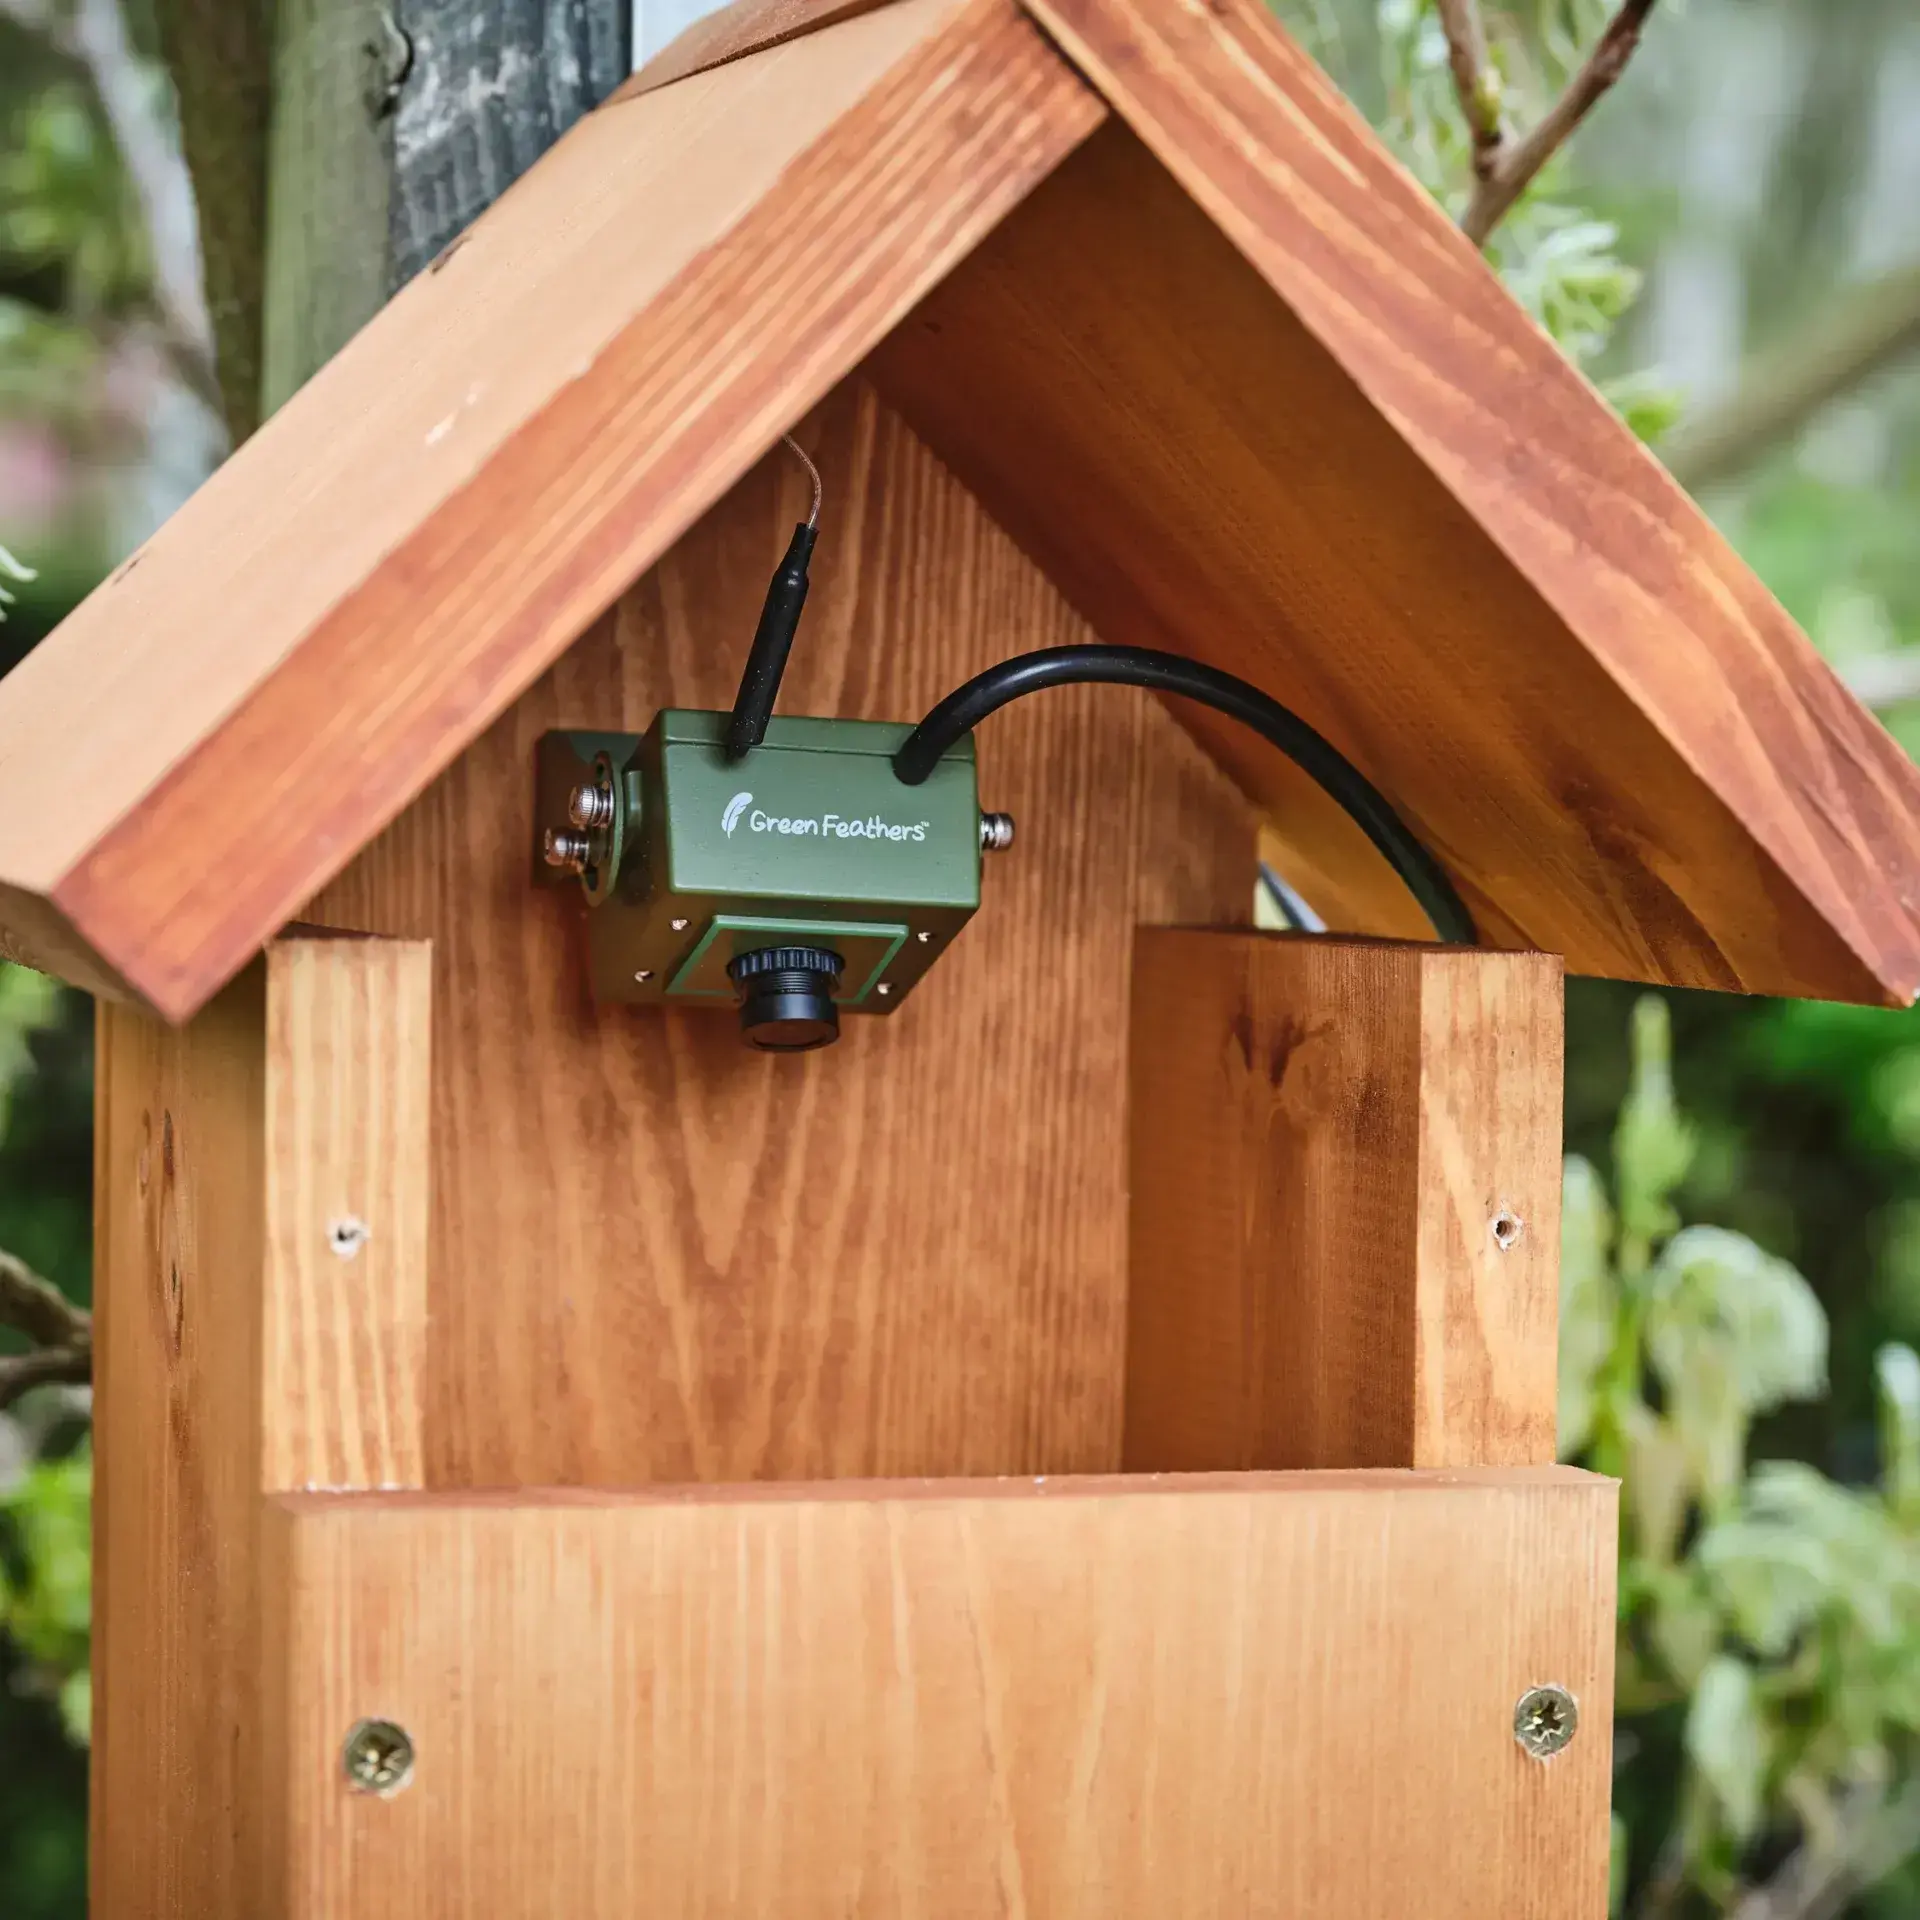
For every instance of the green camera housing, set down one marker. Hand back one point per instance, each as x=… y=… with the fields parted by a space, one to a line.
x=690 y=859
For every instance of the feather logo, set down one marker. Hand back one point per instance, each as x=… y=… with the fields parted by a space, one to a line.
x=735 y=808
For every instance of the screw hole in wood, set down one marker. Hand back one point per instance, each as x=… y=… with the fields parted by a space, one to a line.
x=347 y=1236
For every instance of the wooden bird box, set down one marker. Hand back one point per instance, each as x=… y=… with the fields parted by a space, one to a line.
x=1084 y=1444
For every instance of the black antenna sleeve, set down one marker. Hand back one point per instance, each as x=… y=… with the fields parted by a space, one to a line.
x=772 y=642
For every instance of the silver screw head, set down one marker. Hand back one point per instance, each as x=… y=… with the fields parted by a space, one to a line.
x=996 y=832
x=1545 y=1719
x=680 y=926
x=644 y=975
x=884 y=988
x=378 y=1757
x=566 y=850
x=925 y=939
x=590 y=806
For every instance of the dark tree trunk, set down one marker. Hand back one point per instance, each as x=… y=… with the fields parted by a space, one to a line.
x=394 y=127
x=491 y=88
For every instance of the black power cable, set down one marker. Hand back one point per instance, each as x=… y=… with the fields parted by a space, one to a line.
x=962 y=710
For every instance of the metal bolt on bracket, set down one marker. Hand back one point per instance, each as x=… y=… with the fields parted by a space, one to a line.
x=996 y=832
x=378 y=1757
x=590 y=807
x=567 y=851
x=1545 y=1719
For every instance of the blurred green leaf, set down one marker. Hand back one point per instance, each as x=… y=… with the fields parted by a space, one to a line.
x=1652 y=1145
x=1727 y=1742
x=1897 y=1371
x=1588 y=1310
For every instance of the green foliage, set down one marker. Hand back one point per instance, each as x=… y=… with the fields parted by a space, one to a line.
x=1561 y=262
x=78 y=344
x=1769 y=1618
x=45 y=1478
x=1828 y=522
x=66 y=206
x=44 y=1501
x=11 y=571
x=46 y=1584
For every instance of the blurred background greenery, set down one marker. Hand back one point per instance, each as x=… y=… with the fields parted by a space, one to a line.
x=1731 y=246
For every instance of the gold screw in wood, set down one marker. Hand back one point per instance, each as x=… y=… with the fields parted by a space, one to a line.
x=1545 y=1720
x=378 y=1757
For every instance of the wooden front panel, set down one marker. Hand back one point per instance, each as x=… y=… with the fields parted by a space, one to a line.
x=1345 y=1204
x=657 y=1256
x=1290 y=1696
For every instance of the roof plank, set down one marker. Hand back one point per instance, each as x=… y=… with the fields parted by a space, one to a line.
x=733 y=32
x=443 y=509
x=1189 y=334
x=1386 y=497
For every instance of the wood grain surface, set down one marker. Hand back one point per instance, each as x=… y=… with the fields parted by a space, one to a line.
x=732 y=32
x=344 y=1304
x=1307 y=436
x=442 y=510
x=239 y=1354
x=1345 y=1204
x=1230 y=376
x=179 y=1223
x=658 y=1256
x=1289 y=1696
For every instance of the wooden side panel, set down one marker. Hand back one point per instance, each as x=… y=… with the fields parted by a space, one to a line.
x=1287 y=1696
x=238 y=1354
x=1345 y=1223
x=656 y=1256
x=179 y=1181
x=1486 y=1265
x=345 y=1301
x=1307 y=437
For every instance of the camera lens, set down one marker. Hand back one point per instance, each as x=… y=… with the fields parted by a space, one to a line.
x=786 y=997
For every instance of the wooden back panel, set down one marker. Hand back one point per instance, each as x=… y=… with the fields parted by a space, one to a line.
x=656 y=1256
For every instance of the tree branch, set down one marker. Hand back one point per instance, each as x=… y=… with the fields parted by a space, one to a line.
x=1873 y=1836
x=1475 y=80
x=1872 y=326
x=1508 y=169
x=62 y=1332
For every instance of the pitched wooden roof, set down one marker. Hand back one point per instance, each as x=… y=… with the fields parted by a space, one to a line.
x=1143 y=279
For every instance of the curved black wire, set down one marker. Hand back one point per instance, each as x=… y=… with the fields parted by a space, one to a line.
x=963 y=709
